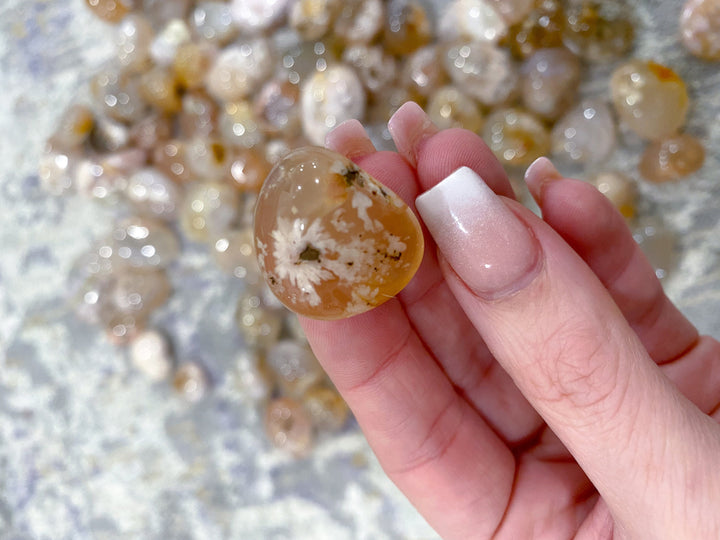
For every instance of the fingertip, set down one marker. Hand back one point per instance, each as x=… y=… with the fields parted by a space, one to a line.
x=538 y=175
x=350 y=139
x=409 y=128
x=446 y=151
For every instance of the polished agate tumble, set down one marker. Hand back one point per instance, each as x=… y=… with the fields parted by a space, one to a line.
x=331 y=241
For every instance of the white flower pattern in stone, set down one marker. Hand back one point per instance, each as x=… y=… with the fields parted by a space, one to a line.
x=292 y=238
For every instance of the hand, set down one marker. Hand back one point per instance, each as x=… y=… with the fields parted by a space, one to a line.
x=533 y=380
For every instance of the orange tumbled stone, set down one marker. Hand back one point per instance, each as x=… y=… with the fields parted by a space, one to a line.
x=672 y=158
x=331 y=241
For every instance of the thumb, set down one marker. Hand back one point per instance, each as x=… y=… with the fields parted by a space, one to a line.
x=552 y=325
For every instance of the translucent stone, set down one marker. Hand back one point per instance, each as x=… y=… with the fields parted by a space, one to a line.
x=109 y=135
x=484 y=71
x=259 y=323
x=234 y=253
x=672 y=158
x=598 y=31
x=619 y=189
x=238 y=125
x=164 y=47
x=329 y=98
x=327 y=409
x=651 y=99
x=239 y=70
x=449 y=107
x=150 y=354
x=300 y=61
x=313 y=18
x=550 y=78
x=153 y=194
x=295 y=367
x=250 y=377
x=475 y=20
x=107 y=176
x=160 y=88
x=376 y=69
x=255 y=16
x=700 y=28
x=151 y=131
x=288 y=426
x=359 y=21
x=75 y=125
x=141 y=242
x=208 y=210
x=161 y=12
x=331 y=241
x=658 y=243
x=170 y=158
x=198 y=115
x=248 y=169
x=133 y=37
x=423 y=72
x=586 y=134
x=277 y=107
x=513 y=11
x=383 y=106
x=407 y=27
x=111 y=11
x=191 y=381
x=541 y=29
x=122 y=301
x=56 y=169
x=191 y=64
x=208 y=158
x=516 y=137
x=118 y=95
x=213 y=22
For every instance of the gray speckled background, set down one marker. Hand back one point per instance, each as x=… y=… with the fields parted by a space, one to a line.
x=90 y=449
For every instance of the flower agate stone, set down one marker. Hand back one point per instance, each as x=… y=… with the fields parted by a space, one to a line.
x=619 y=189
x=484 y=71
x=550 y=79
x=700 y=28
x=516 y=137
x=449 y=108
x=288 y=426
x=650 y=98
x=672 y=158
x=598 y=31
x=473 y=19
x=331 y=241
x=329 y=98
x=407 y=27
x=586 y=134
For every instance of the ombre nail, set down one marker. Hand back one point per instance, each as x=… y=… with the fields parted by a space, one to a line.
x=487 y=245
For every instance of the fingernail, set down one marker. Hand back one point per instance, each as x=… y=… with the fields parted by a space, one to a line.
x=487 y=245
x=409 y=127
x=350 y=139
x=539 y=174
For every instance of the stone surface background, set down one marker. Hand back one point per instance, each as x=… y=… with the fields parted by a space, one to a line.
x=90 y=450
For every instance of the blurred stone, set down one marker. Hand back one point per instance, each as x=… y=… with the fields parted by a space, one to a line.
x=672 y=158
x=288 y=426
x=550 y=78
x=700 y=28
x=586 y=134
x=650 y=98
x=150 y=354
x=516 y=137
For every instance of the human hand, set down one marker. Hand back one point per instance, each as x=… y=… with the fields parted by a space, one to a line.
x=533 y=381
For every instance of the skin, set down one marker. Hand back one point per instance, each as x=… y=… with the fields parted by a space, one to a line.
x=583 y=405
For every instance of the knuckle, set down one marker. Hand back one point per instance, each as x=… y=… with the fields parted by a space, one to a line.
x=578 y=368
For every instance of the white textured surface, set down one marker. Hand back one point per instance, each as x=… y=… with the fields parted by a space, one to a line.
x=89 y=449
